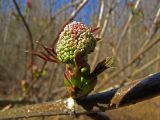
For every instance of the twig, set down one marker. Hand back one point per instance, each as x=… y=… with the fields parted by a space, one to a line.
x=5 y=34
x=51 y=83
x=100 y=13
x=146 y=49
x=103 y=28
x=28 y=31
x=131 y=93
x=25 y=24
x=154 y=29
x=144 y=67
x=127 y=25
x=124 y=31
x=142 y=50
x=98 y=25
x=53 y=17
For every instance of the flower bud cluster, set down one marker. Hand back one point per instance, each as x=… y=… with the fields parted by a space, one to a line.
x=75 y=39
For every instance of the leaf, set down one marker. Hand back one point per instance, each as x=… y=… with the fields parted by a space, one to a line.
x=102 y=66
x=43 y=73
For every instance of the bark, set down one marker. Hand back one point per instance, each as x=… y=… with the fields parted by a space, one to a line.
x=131 y=93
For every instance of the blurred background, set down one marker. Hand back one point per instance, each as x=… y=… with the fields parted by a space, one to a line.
x=128 y=30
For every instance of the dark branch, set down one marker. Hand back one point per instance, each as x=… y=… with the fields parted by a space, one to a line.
x=130 y=93
x=25 y=24
x=28 y=31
